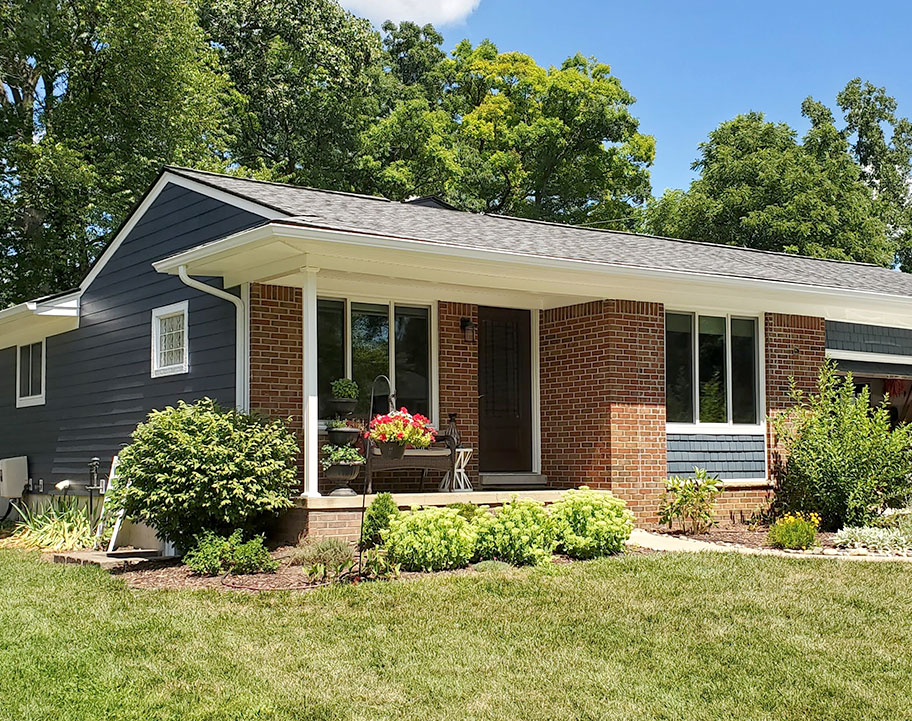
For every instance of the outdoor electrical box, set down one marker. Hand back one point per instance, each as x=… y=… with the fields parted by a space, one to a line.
x=13 y=476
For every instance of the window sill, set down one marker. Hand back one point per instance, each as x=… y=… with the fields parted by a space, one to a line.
x=719 y=429
x=170 y=371
x=30 y=401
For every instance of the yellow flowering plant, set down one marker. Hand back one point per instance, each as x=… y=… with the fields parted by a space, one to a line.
x=796 y=531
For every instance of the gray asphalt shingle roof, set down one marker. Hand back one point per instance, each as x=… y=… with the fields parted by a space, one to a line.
x=344 y=211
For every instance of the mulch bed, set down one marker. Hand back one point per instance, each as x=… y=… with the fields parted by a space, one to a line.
x=740 y=535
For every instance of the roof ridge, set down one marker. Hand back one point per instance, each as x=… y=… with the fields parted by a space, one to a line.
x=180 y=169
x=707 y=243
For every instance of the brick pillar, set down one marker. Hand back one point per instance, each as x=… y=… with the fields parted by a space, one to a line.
x=458 y=375
x=276 y=348
x=603 y=399
x=795 y=347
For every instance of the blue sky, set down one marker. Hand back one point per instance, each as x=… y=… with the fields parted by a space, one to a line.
x=694 y=64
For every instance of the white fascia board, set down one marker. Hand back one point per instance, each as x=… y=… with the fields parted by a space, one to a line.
x=868 y=357
x=825 y=297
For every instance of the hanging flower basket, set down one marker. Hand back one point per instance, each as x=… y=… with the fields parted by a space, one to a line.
x=391 y=450
x=397 y=430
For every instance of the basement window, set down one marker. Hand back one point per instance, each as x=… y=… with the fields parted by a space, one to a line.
x=711 y=369
x=170 y=347
x=30 y=375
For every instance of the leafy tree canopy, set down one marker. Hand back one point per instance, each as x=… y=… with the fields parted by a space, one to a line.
x=96 y=96
x=838 y=193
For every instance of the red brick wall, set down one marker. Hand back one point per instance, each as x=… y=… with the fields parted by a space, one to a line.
x=276 y=353
x=795 y=348
x=603 y=399
x=458 y=375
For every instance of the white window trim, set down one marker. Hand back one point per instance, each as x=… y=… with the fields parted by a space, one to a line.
x=433 y=400
x=729 y=427
x=36 y=400
x=157 y=315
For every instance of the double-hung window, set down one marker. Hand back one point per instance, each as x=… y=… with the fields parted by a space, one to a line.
x=30 y=375
x=363 y=340
x=170 y=348
x=711 y=369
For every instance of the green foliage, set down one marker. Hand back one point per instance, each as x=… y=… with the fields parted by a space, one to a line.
x=339 y=455
x=214 y=554
x=430 y=539
x=344 y=388
x=690 y=501
x=96 y=97
x=842 y=459
x=377 y=519
x=794 y=531
x=376 y=566
x=759 y=187
x=325 y=559
x=196 y=468
x=61 y=524
x=887 y=540
x=520 y=532
x=590 y=524
x=469 y=510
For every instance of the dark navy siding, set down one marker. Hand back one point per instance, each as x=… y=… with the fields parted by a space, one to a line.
x=728 y=456
x=868 y=338
x=99 y=383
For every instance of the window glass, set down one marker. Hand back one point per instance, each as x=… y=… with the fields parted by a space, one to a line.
x=171 y=340
x=679 y=368
x=412 y=359
x=330 y=349
x=35 y=386
x=712 y=380
x=744 y=370
x=30 y=380
x=370 y=353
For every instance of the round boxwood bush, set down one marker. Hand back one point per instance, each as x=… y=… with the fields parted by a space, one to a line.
x=590 y=524
x=377 y=519
x=195 y=468
x=520 y=532
x=432 y=539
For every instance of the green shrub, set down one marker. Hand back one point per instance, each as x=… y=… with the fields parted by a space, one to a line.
x=794 y=531
x=377 y=519
x=432 y=539
x=691 y=501
x=590 y=524
x=875 y=539
x=842 y=460
x=324 y=559
x=194 y=468
x=521 y=532
x=376 y=566
x=469 y=511
x=214 y=554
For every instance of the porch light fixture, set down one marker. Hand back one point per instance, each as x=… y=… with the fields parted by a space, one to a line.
x=469 y=327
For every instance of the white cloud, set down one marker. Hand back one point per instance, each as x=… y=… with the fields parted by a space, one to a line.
x=439 y=12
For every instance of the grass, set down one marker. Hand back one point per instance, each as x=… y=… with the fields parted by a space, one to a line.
x=714 y=636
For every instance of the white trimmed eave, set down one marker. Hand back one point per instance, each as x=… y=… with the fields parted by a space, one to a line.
x=277 y=253
x=36 y=320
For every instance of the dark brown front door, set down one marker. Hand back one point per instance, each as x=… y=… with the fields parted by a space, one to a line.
x=504 y=390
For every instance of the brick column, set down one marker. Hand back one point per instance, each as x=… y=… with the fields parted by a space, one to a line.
x=795 y=347
x=603 y=399
x=458 y=375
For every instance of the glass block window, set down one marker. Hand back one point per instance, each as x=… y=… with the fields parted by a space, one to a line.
x=170 y=352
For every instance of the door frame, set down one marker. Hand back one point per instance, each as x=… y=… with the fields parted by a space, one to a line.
x=535 y=380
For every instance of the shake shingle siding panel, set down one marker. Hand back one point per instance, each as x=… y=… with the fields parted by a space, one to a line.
x=99 y=384
x=868 y=338
x=728 y=456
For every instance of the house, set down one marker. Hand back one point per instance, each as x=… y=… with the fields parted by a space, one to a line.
x=568 y=355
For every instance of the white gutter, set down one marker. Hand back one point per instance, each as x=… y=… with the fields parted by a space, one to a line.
x=240 y=327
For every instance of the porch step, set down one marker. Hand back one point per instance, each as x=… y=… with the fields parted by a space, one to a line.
x=512 y=481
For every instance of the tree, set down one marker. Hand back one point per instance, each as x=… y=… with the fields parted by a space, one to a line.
x=96 y=96
x=505 y=135
x=310 y=73
x=760 y=188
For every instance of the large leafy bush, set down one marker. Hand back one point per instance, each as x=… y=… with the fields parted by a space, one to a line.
x=520 y=532
x=196 y=468
x=590 y=524
x=691 y=501
x=841 y=458
x=432 y=539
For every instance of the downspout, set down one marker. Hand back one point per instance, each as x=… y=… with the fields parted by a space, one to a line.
x=240 y=327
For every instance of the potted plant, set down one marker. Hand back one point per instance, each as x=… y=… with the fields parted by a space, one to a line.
x=341 y=463
x=397 y=430
x=344 y=396
x=342 y=433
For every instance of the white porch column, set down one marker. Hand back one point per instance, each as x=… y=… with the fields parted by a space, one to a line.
x=310 y=415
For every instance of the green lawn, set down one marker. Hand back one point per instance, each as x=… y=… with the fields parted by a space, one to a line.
x=720 y=636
